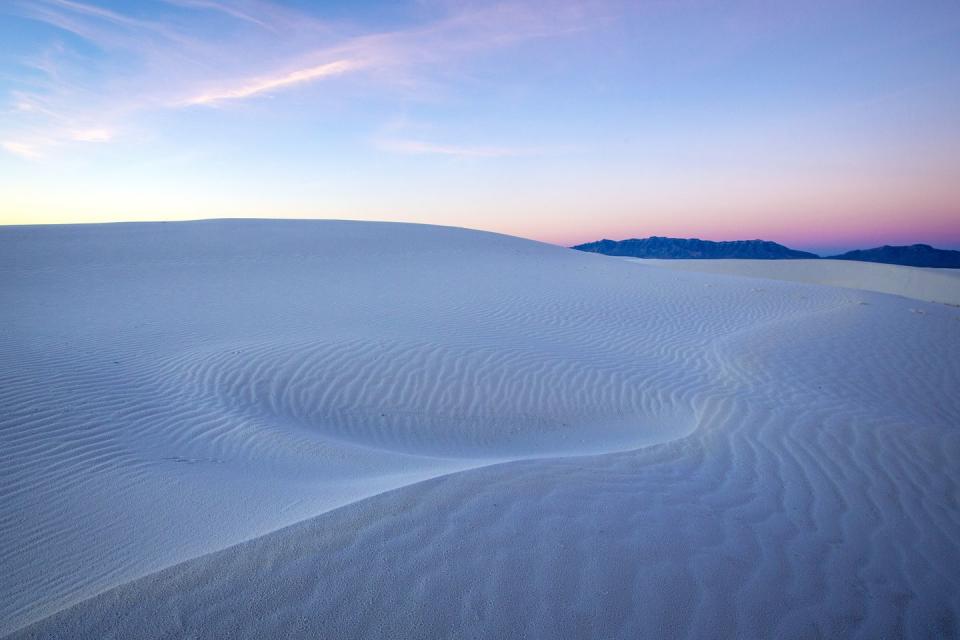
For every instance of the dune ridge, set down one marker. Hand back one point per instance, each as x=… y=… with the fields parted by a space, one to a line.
x=251 y=428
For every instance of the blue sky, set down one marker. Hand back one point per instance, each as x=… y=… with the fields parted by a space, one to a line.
x=819 y=124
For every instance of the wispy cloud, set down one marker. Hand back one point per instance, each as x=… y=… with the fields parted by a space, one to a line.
x=233 y=9
x=165 y=60
x=93 y=10
x=103 y=27
x=262 y=85
x=22 y=149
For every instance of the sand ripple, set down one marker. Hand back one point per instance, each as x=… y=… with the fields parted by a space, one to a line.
x=361 y=430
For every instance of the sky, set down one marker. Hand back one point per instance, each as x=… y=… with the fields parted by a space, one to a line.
x=822 y=125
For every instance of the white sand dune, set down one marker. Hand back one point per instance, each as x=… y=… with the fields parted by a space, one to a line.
x=340 y=429
x=929 y=285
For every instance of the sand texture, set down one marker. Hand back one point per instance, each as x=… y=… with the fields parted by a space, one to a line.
x=229 y=429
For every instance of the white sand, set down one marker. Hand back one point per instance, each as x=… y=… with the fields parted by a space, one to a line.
x=338 y=429
x=930 y=285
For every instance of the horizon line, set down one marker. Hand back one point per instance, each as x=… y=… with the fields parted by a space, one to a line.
x=815 y=248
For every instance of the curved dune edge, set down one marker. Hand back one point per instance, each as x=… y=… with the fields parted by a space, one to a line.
x=618 y=438
x=809 y=495
x=59 y=622
x=623 y=442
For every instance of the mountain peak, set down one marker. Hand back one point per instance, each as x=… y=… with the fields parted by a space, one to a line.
x=693 y=248
x=914 y=255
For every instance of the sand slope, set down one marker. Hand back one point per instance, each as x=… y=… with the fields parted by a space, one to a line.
x=929 y=285
x=253 y=428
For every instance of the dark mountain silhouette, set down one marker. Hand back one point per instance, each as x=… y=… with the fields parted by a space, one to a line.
x=914 y=255
x=680 y=248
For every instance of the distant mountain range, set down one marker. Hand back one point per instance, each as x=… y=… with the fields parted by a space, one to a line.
x=917 y=255
x=679 y=248
x=914 y=255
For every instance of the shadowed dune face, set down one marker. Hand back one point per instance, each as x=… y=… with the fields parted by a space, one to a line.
x=200 y=419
